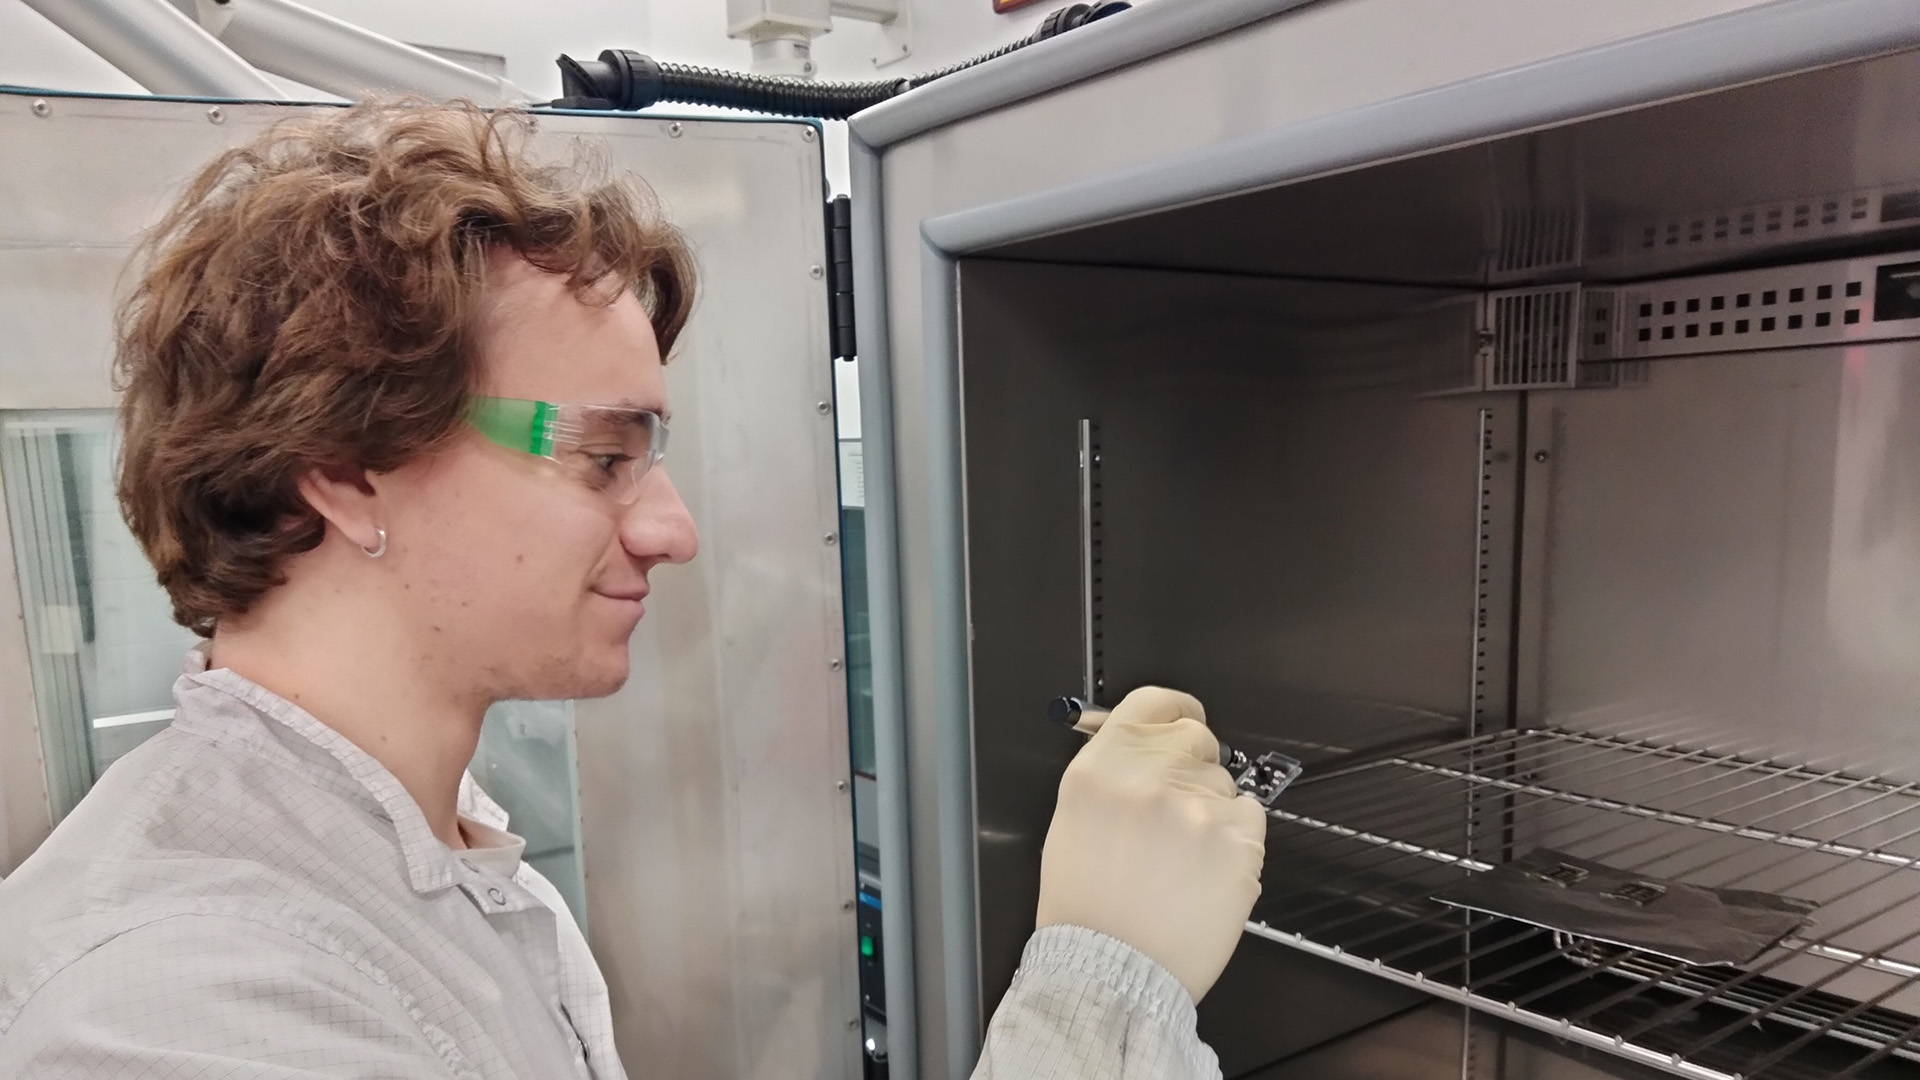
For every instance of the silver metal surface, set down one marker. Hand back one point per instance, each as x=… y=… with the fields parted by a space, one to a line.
x=1147 y=31
x=717 y=824
x=884 y=619
x=1487 y=570
x=1819 y=303
x=1261 y=77
x=1533 y=338
x=1707 y=818
x=1730 y=231
x=1282 y=507
x=1735 y=543
x=718 y=848
x=1772 y=39
x=330 y=54
x=1281 y=83
x=949 y=640
x=158 y=47
x=1093 y=678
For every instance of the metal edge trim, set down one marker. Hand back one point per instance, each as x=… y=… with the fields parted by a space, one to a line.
x=535 y=109
x=1145 y=31
x=952 y=680
x=1742 y=46
x=883 y=609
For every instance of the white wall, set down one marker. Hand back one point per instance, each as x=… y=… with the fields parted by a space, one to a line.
x=35 y=53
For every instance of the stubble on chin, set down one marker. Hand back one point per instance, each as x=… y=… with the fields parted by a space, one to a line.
x=561 y=677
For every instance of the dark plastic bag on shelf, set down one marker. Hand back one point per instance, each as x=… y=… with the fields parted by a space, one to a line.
x=1592 y=900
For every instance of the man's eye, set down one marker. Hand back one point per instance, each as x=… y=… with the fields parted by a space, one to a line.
x=607 y=463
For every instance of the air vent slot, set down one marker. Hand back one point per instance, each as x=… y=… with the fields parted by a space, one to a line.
x=1530 y=338
x=1760 y=224
x=1780 y=307
x=1533 y=240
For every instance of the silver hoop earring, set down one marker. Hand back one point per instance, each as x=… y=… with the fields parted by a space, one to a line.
x=376 y=552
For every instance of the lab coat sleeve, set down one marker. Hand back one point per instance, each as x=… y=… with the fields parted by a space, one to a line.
x=204 y=997
x=1087 y=1005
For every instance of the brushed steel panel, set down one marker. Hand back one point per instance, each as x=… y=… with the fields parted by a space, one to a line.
x=715 y=788
x=1282 y=71
x=1734 y=546
x=75 y=209
x=718 y=836
x=1651 y=190
x=1292 y=530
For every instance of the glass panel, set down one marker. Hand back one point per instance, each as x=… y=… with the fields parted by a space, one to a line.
x=853 y=531
x=103 y=646
x=526 y=764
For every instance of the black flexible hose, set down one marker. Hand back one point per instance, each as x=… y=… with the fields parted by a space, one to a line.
x=627 y=80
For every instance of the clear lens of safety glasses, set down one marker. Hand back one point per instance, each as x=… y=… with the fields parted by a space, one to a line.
x=603 y=447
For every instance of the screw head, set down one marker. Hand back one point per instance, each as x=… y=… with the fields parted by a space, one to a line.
x=823 y=407
x=216 y=115
x=674 y=129
x=831 y=539
x=806 y=133
x=1541 y=456
x=833 y=664
x=816 y=271
x=839 y=785
x=41 y=108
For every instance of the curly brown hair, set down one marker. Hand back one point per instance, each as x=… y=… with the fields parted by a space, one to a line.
x=311 y=303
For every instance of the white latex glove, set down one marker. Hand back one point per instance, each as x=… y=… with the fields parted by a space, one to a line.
x=1151 y=843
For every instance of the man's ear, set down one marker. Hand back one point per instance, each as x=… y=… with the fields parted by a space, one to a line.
x=344 y=496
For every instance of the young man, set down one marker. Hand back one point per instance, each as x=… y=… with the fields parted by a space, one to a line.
x=394 y=419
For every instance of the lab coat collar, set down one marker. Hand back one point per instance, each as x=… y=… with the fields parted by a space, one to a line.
x=219 y=704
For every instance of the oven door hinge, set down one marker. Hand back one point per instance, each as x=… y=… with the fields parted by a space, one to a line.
x=840 y=277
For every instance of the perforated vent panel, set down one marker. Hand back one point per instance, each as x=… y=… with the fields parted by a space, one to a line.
x=1762 y=224
x=1530 y=337
x=1534 y=240
x=1780 y=307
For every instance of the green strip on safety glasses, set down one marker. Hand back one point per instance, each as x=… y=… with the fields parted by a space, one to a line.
x=515 y=423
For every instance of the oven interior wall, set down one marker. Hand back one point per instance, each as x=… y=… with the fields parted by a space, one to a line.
x=1297 y=522
x=1290 y=528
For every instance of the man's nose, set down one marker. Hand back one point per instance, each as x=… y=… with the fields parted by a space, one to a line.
x=657 y=525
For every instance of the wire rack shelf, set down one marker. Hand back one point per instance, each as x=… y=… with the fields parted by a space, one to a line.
x=1357 y=854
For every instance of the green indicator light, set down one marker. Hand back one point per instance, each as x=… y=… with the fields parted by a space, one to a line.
x=866 y=945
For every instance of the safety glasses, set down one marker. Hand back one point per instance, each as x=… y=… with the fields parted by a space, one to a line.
x=604 y=447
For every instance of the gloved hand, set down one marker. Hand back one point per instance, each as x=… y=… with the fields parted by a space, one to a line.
x=1151 y=842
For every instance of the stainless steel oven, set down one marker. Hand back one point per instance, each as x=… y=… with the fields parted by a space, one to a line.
x=1528 y=441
